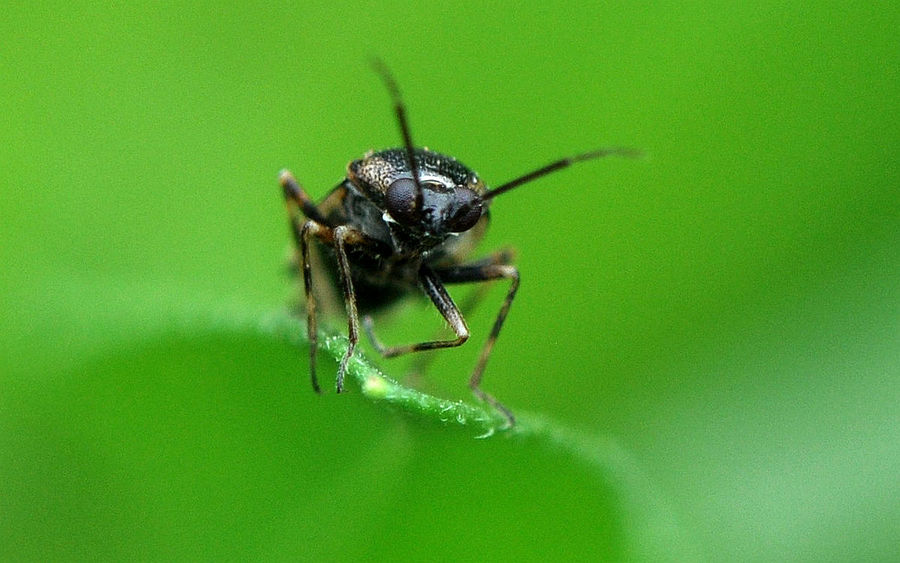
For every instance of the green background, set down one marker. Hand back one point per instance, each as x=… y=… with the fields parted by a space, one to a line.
x=722 y=315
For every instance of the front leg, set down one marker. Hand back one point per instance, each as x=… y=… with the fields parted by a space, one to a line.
x=489 y=269
x=482 y=272
x=435 y=291
x=344 y=236
x=311 y=229
x=423 y=361
x=340 y=238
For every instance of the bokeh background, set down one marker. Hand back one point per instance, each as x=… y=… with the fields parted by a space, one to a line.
x=725 y=312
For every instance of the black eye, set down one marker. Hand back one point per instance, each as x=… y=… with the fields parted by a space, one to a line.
x=400 y=201
x=468 y=213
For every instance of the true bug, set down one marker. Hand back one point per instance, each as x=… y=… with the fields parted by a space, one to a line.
x=404 y=220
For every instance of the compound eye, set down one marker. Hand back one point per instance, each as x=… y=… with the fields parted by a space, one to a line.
x=400 y=201
x=469 y=211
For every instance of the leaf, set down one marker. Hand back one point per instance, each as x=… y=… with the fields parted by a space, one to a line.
x=650 y=524
x=181 y=412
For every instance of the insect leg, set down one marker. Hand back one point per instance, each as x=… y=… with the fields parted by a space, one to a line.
x=340 y=237
x=480 y=273
x=344 y=236
x=435 y=290
x=310 y=228
x=295 y=196
x=295 y=201
x=423 y=361
x=504 y=256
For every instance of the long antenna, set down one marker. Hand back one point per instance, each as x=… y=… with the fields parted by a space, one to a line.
x=559 y=165
x=400 y=110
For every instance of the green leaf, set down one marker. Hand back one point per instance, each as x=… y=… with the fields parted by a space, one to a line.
x=197 y=417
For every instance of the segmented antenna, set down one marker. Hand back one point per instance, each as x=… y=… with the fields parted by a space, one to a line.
x=559 y=165
x=400 y=110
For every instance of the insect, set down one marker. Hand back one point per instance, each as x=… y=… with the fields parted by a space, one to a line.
x=404 y=220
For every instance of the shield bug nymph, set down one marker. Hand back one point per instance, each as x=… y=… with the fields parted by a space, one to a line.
x=404 y=220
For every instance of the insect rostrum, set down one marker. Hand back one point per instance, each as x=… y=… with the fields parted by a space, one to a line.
x=405 y=220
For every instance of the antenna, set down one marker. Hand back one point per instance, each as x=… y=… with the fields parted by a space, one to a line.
x=559 y=165
x=400 y=110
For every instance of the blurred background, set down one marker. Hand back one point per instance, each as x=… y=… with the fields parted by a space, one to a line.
x=723 y=314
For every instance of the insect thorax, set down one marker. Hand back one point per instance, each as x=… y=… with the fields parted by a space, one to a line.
x=376 y=170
